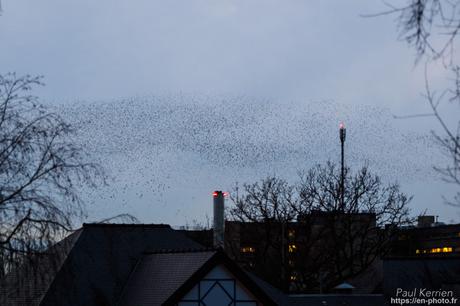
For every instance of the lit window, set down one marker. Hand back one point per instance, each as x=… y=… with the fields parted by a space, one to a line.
x=248 y=250
x=434 y=250
x=292 y=248
x=291 y=233
x=293 y=278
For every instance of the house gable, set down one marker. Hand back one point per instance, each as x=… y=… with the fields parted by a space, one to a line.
x=219 y=276
x=219 y=287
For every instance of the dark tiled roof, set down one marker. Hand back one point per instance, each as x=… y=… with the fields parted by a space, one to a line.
x=163 y=278
x=97 y=267
x=430 y=273
x=275 y=294
x=370 y=280
x=158 y=276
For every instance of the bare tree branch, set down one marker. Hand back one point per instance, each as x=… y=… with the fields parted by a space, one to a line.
x=431 y=27
x=41 y=171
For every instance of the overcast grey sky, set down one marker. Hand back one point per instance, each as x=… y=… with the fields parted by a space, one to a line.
x=177 y=98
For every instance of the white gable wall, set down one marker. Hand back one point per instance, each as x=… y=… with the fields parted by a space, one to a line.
x=219 y=288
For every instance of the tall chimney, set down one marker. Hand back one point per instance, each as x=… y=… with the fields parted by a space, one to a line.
x=219 y=222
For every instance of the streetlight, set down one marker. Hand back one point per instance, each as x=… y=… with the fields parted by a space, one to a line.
x=343 y=133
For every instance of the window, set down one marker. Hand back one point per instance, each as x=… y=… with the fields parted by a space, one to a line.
x=434 y=250
x=292 y=248
x=248 y=249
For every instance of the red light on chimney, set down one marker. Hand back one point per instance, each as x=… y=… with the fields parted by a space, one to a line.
x=225 y=194
x=341 y=125
x=215 y=194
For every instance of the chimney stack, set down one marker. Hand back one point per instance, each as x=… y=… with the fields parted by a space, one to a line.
x=219 y=222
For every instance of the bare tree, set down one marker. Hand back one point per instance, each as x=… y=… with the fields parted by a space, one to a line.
x=41 y=171
x=271 y=199
x=306 y=239
x=431 y=27
x=270 y=205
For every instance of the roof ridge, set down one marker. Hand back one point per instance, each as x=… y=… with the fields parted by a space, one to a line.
x=148 y=225
x=183 y=250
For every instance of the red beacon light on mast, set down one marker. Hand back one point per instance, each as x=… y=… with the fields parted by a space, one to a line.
x=343 y=132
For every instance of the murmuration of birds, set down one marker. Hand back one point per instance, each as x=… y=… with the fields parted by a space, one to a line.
x=155 y=143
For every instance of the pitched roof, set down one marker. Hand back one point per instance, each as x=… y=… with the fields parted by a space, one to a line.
x=164 y=278
x=370 y=280
x=157 y=276
x=275 y=294
x=101 y=259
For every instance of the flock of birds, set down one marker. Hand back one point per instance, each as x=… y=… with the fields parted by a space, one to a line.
x=170 y=151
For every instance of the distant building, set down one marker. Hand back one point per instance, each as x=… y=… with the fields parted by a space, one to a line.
x=424 y=256
x=293 y=256
x=428 y=239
